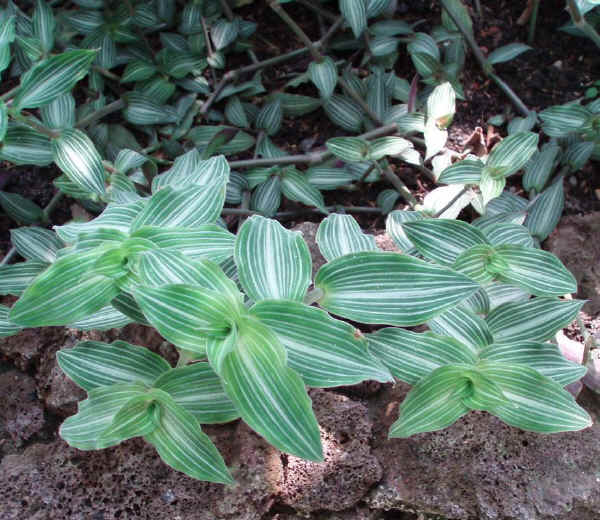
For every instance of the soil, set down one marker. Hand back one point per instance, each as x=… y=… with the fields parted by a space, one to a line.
x=557 y=70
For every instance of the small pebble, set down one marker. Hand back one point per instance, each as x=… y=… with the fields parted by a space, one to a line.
x=573 y=180
x=557 y=64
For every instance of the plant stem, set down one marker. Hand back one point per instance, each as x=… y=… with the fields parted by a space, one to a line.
x=478 y=8
x=100 y=113
x=10 y=93
x=52 y=134
x=395 y=181
x=487 y=68
x=581 y=23
x=318 y=9
x=439 y=213
x=533 y=21
x=356 y=97
x=276 y=6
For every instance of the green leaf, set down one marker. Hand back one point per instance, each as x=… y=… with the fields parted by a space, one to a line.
x=22 y=145
x=182 y=207
x=507 y=233
x=142 y=109
x=91 y=364
x=273 y=263
x=269 y=396
x=270 y=117
x=561 y=120
x=3 y=120
x=60 y=113
x=197 y=389
x=324 y=75
x=137 y=417
x=339 y=235
x=235 y=113
x=203 y=135
x=20 y=209
x=105 y=319
x=7 y=327
x=545 y=358
x=205 y=242
x=44 y=25
x=511 y=154
x=35 y=243
x=355 y=13
x=480 y=263
x=15 y=278
x=324 y=351
x=538 y=272
x=535 y=402
x=76 y=156
x=467 y=171
x=295 y=187
x=499 y=293
x=295 y=105
x=546 y=210
x=223 y=32
x=53 y=77
x=394 y=228
x=433 y=403
x=351 y=149
x=65 y=292
x=507 y=52
x=344 y=112
x=138 y=70
x=443 y=240
x=391 y=145
x=463 y=325
x=537 y=319
x=84 y=430
x=181 y=444
x=388 y=288
x=491 y=185
x=266 y=198
x=411 y=356
x=185 y=315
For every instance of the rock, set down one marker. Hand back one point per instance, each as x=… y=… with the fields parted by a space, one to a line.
x=576 y=241
x=21 y=413
x=480 y=468
x=309 y=232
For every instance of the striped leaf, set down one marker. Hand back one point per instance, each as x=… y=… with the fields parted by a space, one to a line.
x=324 y=75
x=536 y=403
x=203 y=135
x=499 y=293
x=344 y=112
x=105 y=319
x=350 y=149
x=578 y=154
x=378 y=96
x=433 y=403
x=189 y=169
x=561 y=120
x=546 y=210
x=126 y=304
x=84 y=430
x=205 y=242
x=480 y=263
x=479 y=302
x=270 y=117
x=15 y=278
x=328 y=178
x=34 y=243
x=507 y=202
x=235 y=113
x=387 y=288
x=507 y=233
x=235 y=188
x=522 y=124
x=391 y=145
x=3 y=120
x=185 y=315
x=7 y=327
x=92 y=364
x=20 y=209
x=65 y=292
x=355 y=13
x=324 y=351
x=223 y=32
x=142 y=109
x=437 y=201
x=53 y=77
x=182 y=444
x=266 y=198
x=491 y=185
x=443 y=240
x=394 y=227
x=462 y=172
x=164 y=267
x=411 y=356
x=297 y=105
x=197 y=389
x=59 y=114
x=269 y=396
x=507 y=52
x=182 y=207
x=537 y=319
x=44 y=25
x=22 y=145
x=77 y=157
x=295 y=187
x=135 y=418
x=463 y=325
x=511 y=154
x=538 y=272
x=545 y=358
x=272 y=262
x=138 y=70
x=339 y=235
x=386 y=200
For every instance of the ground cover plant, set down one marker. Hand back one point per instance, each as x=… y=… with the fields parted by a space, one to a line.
x=160 y=133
